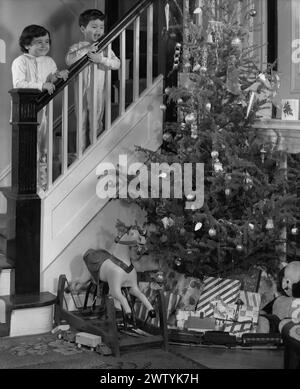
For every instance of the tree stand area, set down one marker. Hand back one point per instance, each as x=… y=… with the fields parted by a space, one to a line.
x=115 y=332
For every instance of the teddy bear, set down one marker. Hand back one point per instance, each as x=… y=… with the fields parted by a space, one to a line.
x=287 y=304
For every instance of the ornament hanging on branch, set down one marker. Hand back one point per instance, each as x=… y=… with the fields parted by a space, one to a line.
x=232 y=84
x=214 y=31
x=294 y=231
x=177 y=56
x=270 y=225
x=167 y=15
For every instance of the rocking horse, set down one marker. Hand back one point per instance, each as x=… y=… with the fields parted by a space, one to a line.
x=117 y=270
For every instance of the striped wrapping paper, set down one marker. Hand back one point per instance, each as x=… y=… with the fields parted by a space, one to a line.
x=238 y=329
x=171 y=301
x=250 y=310
x=215 y=289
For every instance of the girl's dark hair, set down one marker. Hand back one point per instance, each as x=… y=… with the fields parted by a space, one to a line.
x=30 y=32
x=90 y=14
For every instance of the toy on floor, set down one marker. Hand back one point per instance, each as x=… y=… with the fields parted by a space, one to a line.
x=117 y=270
x=285 y=306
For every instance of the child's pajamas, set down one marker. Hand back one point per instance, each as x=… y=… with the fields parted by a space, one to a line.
x=76 y=52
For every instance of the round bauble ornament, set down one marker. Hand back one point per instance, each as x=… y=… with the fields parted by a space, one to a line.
x=163 y=107
x=179 y=101
x=178 y=262
x=252 y=13
x=294 y=231
x=239 y=248
x=167 y=90
x=236 y=42
x=227 y=192
x=190 y=118
x=218 y=167
x=214 y=154
x=251 y=226
x=212 y=232
x=208 y=107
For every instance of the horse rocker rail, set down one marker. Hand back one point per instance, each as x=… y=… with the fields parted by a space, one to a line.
x=116 y=271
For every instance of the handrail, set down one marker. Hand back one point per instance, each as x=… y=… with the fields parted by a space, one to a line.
x=44 y=98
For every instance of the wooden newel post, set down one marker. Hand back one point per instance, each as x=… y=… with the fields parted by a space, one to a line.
x=23 y=203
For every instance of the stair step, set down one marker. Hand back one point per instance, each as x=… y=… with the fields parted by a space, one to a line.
x=43 y=299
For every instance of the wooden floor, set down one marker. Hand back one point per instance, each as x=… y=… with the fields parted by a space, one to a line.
x=222 y=358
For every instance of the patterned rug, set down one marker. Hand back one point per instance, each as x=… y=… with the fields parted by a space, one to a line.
x=48 y=352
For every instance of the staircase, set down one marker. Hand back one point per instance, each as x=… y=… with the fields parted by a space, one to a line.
x=38 y=229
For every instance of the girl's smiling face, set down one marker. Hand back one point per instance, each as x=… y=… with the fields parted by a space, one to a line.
x=39 y=46
x=93 y=31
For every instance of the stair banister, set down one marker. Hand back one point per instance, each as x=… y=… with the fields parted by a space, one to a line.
x=22 y=200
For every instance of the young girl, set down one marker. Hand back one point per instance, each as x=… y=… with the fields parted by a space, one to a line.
x=34 y=69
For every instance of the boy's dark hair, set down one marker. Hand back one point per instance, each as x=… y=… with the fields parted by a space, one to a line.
x=29 y=33
x=90 y=14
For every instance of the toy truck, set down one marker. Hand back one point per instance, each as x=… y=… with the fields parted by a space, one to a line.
x=88 y=340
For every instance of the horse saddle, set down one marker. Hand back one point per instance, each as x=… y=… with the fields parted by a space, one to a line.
x=95 y=258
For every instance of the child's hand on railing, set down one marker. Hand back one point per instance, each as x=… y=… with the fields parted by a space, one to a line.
x=49 y=86
x=97 y=58
x=93 y=48
x=64 y=74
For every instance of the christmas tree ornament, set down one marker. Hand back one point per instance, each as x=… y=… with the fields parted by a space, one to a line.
x=198 y=226
x=252 y=13
x=212 y=232
x=239 y=248
x=250 y=104
x=228 y=177
x=179 y=101
x=187 y=65
x=203 y=70
x=215 y=154
x=178 y=262
x=190 y=118
x=194 y=136
x=248 y=181
x=236 y=42
x=232 y=83
x=183 y=126
x=159 y=277
x=218 y=167
x=228 y=192
x=167 y=137
x=208 y=107
x=270 y=224
x=263 y=153
x=167 y=222
x=197 y=67
x=163 y=107
x=294 y=231
x=251 y=226
x=167 y=90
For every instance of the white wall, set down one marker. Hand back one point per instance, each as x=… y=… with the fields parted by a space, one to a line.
x=60 y=18
x=100 y=233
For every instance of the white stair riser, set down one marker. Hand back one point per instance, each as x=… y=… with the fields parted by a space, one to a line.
x=31 y=321
x=7 y=278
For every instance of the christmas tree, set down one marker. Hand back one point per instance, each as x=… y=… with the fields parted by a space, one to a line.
x=249 y=211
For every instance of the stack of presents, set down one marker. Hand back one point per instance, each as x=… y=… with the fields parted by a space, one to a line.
x=214 y=304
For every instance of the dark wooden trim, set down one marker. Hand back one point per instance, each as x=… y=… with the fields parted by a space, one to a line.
x=44 y=98
x=272 y=31
x=23 y=203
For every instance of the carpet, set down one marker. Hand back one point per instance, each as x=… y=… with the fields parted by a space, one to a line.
x=48 y=352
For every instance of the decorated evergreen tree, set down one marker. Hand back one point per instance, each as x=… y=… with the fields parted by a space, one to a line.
x=250 y=205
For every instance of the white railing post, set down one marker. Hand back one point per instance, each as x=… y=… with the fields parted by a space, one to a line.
x=94 y=123
x=136 y=60
x=50 y=145
x=108 y=95
x=79 y=132
x=123 y=72
x=65 y=109
x=150 y=46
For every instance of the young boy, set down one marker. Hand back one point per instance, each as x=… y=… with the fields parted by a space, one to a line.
x=34 y=69
x=91 y=23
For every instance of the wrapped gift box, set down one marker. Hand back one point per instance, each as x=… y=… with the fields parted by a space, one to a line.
x=250 y=310
x=215 y=289
x=223 y=311
x=150 y=291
